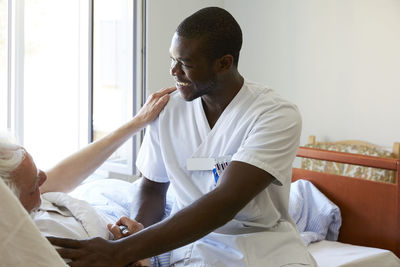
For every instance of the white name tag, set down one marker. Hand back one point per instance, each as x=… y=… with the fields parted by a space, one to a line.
x=200 y=164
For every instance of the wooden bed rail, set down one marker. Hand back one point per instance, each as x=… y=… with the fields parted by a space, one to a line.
x=343 y=157
x=370 y=210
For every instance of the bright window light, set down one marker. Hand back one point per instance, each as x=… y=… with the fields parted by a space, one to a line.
x=66 y=76
x=113 y=71
x=51 y=79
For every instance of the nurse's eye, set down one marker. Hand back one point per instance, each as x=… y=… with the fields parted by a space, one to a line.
x=180 y=63
x=187 y=66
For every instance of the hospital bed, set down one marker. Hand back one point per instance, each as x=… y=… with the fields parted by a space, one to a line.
x=370 y=217
x=370 y=210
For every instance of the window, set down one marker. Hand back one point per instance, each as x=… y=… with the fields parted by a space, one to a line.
x=66 y=75
x=112 y=74
x=51 y=81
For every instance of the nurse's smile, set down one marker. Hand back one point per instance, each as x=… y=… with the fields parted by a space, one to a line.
x=185 y=89
x=181 y=84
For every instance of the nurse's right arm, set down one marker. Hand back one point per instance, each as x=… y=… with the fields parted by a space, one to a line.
x=149 y=203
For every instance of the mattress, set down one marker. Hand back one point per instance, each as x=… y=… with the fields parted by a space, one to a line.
x=335 y=254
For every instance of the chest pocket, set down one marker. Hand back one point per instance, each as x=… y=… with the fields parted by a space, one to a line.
x=260 y=210
x=251 y=212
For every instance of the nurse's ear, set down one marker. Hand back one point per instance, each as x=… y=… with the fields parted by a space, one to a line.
x=224 y=63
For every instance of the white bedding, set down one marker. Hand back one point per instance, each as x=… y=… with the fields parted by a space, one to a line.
x=317 y=218
x=336 y=254
x=113 y=197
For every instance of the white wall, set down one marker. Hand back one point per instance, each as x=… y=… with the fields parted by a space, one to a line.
x=339 y=61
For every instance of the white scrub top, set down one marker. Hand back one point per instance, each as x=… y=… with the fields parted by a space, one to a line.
x=259 y=128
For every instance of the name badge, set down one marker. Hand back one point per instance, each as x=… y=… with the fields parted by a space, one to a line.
x=216 y=165
x=200 y=164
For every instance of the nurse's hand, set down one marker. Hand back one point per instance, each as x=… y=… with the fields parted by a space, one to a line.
x=95 y=252
x=154 y=104
x=92 y=252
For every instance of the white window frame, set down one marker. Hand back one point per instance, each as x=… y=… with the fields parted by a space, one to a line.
x=139 y=43
x=15 y=65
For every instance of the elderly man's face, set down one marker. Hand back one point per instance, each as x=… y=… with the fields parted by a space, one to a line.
x=28 y=180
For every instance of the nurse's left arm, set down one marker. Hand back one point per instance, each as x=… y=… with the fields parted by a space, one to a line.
x=240 y=183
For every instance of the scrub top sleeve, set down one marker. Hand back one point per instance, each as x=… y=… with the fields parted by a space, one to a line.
x=272 y=143
x=150 y=161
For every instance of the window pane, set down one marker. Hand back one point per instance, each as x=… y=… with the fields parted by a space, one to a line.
x=3 y=63
x=113 y=70
x=51 y=79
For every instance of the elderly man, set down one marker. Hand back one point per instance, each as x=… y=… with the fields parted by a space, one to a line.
x=27 y=182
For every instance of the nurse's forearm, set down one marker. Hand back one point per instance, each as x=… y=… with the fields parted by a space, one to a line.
x=240 y=183
x=186 y=226
x=149 y=202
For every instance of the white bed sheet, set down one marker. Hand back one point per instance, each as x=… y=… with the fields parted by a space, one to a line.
x=113 y=197
x=335 y=254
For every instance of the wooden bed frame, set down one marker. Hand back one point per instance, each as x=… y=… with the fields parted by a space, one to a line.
x=370 y=210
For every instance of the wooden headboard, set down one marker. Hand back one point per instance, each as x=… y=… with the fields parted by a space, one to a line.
x=370 y=210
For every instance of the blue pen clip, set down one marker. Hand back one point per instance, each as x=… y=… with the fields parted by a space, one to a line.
x=216 y=176
x=219 y=168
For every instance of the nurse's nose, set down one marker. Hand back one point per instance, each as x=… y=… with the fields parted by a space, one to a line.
x=176 y=68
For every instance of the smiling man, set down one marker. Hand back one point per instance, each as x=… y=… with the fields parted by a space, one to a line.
x=226 y=147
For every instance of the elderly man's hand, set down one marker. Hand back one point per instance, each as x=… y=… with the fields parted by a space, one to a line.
x=125 y=227
x=154 y=104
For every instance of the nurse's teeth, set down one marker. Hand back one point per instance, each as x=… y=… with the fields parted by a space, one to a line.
x=182 y=84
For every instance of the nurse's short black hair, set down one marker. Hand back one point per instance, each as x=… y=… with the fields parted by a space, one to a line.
x=221 y=31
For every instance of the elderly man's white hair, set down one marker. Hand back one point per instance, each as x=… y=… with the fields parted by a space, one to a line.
x=11 y=156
